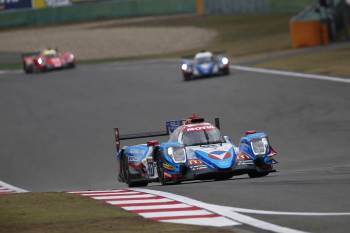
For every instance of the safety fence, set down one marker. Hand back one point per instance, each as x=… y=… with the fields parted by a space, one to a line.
x=253 y=6
x=48 y=12
x=95 y=11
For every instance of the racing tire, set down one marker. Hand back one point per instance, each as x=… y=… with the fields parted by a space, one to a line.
x=28 y=69
x=257 y=174
x=223 y=177
x=127 y=177
x=71 y=65
x=226 y=71
x=160 y=170
x=187 y=76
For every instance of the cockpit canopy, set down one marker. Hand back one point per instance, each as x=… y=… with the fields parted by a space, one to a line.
x=204 y=57
x=197 y=134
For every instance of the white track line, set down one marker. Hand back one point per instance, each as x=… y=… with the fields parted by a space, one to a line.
x=216 y=221
x=291 y=74
x=265 y=212
x=138 y=201
x=155 y=207
x=224 y=211
x=12 y=188
x=175 y=213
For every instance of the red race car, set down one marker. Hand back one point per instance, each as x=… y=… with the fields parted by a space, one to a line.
x=47 y=59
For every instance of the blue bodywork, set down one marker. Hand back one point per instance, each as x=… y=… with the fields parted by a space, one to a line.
x=202 y=161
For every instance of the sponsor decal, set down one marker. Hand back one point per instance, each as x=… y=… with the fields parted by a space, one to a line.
x=219 y=155
x=199 y=128
x=133 y=159
x=195 y=162
x=172 y=125
x=241 y=157
x=17 y=4
x=56 y=3
x=136 y=151
x=168 y=166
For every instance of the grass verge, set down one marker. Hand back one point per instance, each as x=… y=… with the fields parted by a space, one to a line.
x=68 y=213
x=245 y=38
x=323 y=61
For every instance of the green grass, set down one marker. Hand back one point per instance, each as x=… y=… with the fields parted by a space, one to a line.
x=10 y=66
x=246 y=37
x=68 y=213
x=323 y=61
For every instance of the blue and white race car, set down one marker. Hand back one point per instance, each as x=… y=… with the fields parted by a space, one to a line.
x=205 y=64
x=195 y=150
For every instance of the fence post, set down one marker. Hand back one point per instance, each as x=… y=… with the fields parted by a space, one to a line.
x=200 y=7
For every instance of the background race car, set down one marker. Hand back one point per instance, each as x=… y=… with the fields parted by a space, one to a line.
x=46 y=60
x=195 y=150
x=204 y=64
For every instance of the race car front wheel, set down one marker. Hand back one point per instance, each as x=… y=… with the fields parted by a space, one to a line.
x=160 y=170
x=187 y=76
x=257 y=174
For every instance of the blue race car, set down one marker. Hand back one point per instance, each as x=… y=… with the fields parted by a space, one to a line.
x=195 y=150
x=205 y=64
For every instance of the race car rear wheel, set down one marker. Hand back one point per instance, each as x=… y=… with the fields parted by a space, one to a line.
x=127 y=176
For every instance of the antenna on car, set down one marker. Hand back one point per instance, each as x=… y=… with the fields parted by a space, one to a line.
x=217 y=122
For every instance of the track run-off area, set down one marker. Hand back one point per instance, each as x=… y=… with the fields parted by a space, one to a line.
x=57 y=135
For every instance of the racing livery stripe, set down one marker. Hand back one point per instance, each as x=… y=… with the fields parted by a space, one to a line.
x=158 y=208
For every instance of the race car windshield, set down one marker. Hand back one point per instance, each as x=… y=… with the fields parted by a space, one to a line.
x=204 y=60
x=202 y=137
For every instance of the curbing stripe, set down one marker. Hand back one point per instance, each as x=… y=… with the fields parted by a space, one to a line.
x=158 y=208
x=6 y=188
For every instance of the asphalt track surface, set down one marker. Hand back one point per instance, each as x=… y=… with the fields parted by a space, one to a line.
x=56 y=133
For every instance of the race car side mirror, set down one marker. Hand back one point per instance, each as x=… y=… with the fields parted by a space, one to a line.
x=227 y=139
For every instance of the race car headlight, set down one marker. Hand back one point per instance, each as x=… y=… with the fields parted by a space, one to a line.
x=40 y=61
x=184 y=67
x=259 y=146
x=177 y=154
x=224 y=60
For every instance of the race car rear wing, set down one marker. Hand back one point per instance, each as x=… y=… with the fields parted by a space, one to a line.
x=170 y=127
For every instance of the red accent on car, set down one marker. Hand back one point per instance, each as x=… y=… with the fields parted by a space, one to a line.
x=194 y=119
x=213 y=156
x=242 y=157
x=152 y=143
x=227 y=155
x=250 y=132
x=272 y=152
